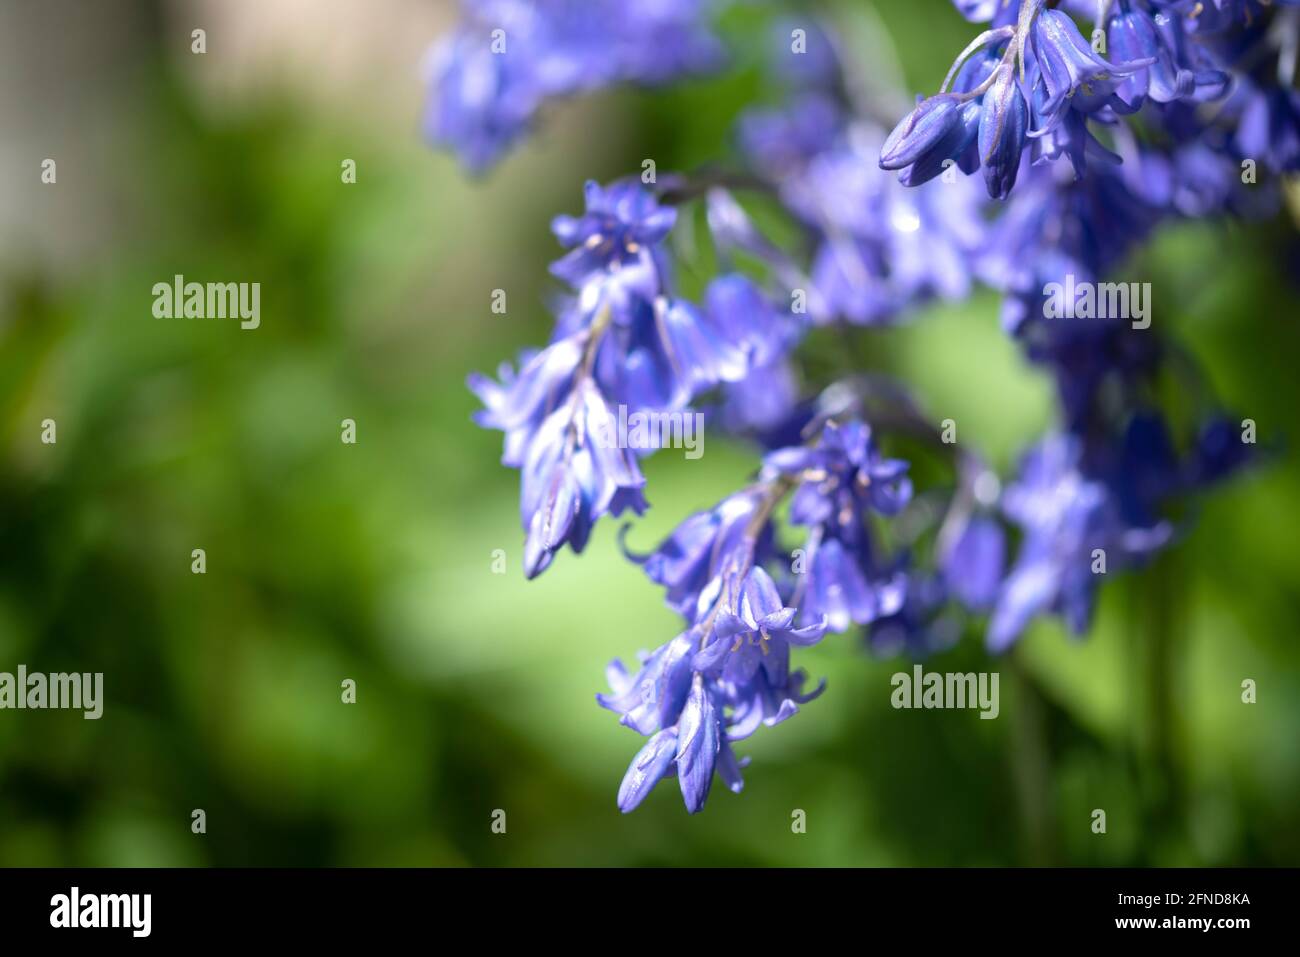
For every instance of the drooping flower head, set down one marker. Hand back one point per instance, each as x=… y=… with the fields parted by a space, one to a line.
x=624 y=339
x=729 y=672
x=827 y=537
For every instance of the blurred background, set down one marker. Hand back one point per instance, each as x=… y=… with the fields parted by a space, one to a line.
x=373 y=561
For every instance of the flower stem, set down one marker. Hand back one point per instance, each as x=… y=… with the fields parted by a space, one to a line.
x=1165 y=799
x=1031 y=766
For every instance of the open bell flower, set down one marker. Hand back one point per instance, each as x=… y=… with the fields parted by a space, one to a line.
x=746 y=633
x=1068 y=65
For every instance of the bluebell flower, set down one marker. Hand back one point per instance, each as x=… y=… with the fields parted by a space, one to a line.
x=1086 y=357
x=1184 y=70
x=659 y=351
x=663 y=353
x=733 y=231
x=615 y=243
x=772 y=694
x=876 y=245
x=519 y=403
x=1067 y=65
x=843 y=480
x=490 y=76
x=712 y=685
x=1068 y=136
x=843 y=476
x=883 y=248
x=1215 y=16
x=750 y=627
x=648 y=768
x=559 y=431
x=573 y=473
x=931 y=138
x=748 y=654
x=930 y=122
x=1004 y=122
x=847 y=585
x=763 y=401
x=1065 y=517
x=625 y=340
x=974 y=78
x=982 y=11
x=692 y=556
x=1053 y=230
x=652 y=699
x=1146 y=472
x=509 y=57
x=1159 y=50
x=1205 y=179
x=972 y=566
x=699 y=739
x=693 y=748
x=743 y=314
x=1176 y=70
x=1269 y=132
x=1055 y=226
x=654 y=42
x=729 y=672
x=778 y=142
x=481 y=103
x=1131 y=34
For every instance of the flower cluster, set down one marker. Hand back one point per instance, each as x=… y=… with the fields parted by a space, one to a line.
x=509 y=57
x=729 y=671
x=1032 y=88
x=1164 y=110
x=880 y=249
x=623 y=339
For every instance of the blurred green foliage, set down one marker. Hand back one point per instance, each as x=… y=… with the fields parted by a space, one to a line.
x=475 y=690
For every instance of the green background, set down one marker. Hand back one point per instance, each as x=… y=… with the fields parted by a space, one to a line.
x=374 y=561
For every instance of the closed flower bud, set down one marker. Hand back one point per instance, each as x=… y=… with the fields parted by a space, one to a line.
x=1004 y=120
x=955 y=141
x=920 y=130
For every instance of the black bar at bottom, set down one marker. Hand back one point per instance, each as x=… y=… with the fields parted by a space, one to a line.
x=337 y=906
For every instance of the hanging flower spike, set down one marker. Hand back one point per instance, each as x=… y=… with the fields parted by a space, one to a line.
x=1099 y=492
